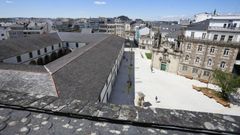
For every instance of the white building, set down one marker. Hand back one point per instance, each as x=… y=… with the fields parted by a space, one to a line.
x=204 y=16
x=4 y=33
x=144 y=38
x=211 y=44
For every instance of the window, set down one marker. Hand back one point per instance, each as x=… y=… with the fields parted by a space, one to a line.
x=197 y=60
x=189 y=46
x=229 y=25
x=212 y=50
x=186 y=57
x=30 y=55
x=215 y=37
x=200 y=48
x=2 y=35
x=225 y=25
x=52 y=47
x=222 y=37
x=195 y=70
x=192 y=34
x=19 y=59
x=222 y=65
x=209 y=63
x=234 y=25
x=45 y=50
x=67 y=44
x=226 y=52
x=38 y=52
x=203 y=35
x=230 y=38
x=184 y=68
x=206 y=73
x=59 y=45
x=77 y=45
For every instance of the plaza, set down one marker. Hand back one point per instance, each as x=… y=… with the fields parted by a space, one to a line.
x=173 y=91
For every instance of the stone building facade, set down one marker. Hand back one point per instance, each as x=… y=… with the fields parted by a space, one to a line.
x=209 y=45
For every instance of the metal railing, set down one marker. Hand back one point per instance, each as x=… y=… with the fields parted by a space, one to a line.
x=217 y=28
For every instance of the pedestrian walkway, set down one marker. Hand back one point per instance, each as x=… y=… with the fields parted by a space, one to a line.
x=121 y=94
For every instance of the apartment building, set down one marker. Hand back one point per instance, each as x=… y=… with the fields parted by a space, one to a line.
x=208 y=45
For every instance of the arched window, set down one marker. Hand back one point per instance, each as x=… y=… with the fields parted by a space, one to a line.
x=40 y=61
x=46 y=59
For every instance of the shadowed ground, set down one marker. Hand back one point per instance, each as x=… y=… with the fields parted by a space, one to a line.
x=121 y=94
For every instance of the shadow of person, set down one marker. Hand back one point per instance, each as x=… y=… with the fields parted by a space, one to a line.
x=147 y=104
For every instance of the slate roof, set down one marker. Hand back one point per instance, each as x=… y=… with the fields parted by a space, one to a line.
x=85 y=76
x=36 y=114
x=83 y=72
x=203 y=25
x=18 y=46
x=22 y=113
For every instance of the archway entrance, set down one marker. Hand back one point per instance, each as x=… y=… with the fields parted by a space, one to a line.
x=40 y=61
x=46 y=59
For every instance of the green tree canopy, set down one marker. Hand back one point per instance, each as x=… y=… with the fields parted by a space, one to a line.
x=228 y=82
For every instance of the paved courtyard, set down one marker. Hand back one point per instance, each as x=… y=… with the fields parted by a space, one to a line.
x=173 y=91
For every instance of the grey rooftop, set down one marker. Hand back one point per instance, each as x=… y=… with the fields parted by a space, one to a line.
x=36 y=114
x=82 y=73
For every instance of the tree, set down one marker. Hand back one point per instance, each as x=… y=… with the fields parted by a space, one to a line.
x=228 y=82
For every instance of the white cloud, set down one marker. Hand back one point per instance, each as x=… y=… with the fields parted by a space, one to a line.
x=8 y=1
x=100 y=2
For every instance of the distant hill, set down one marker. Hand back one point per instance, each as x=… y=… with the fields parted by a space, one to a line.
x=124 y=18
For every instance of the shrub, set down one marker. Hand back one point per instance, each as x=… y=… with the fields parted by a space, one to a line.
x=148 y=55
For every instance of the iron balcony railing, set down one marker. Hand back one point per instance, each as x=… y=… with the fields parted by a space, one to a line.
x=217 y=28
x=211 y=41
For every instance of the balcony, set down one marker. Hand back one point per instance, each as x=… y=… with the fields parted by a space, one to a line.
x=211 y=41
x=217 y=28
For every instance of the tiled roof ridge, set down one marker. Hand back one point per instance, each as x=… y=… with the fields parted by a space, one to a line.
x=195 y=122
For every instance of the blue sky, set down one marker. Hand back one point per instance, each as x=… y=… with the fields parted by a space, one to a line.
x=146 y=9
